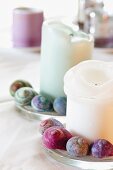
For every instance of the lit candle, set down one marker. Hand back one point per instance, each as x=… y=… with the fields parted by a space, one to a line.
x=62 y=47
x=89 y=90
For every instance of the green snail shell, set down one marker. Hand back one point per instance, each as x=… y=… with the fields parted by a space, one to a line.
x=24 y=95
x=18 y=84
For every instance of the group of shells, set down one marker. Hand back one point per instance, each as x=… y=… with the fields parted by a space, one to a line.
x=24 y=94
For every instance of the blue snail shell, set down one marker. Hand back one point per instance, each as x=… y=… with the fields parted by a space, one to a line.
x=59 y=105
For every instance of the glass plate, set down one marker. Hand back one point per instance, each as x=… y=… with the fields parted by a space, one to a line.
x=31 y=114
x=86 y=162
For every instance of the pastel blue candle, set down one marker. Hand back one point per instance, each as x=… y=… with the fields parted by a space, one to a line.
x=62 y=47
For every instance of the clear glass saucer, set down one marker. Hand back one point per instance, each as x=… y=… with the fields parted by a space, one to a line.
x=31 y=114
x=86 y=162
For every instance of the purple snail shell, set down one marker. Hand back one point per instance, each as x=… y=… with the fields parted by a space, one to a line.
x=41 y=103
x=45 y=124
x=101 y=148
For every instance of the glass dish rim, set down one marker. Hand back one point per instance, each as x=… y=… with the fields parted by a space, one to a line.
x=86 y=162
x=29 y=113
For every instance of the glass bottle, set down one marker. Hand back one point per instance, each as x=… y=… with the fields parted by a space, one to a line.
x=81 y=14
x=99 y=24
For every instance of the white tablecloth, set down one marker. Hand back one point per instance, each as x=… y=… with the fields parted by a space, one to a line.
x=20 y=140
x=17 y=64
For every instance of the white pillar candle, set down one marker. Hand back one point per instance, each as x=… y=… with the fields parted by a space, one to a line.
x=62 y=47
x=89 y=90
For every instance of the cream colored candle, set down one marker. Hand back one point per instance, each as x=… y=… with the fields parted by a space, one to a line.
x=89 y=90
x=62 y=47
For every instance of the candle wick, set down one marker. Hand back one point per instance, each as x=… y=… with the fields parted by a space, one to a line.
x=71 y=34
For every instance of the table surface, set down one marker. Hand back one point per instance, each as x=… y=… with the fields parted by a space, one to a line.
x=20 y=140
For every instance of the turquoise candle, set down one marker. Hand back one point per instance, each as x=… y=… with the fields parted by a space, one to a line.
x=62 y=47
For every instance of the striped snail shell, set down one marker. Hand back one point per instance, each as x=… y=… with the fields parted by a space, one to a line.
x=41 y=103
x=24 y=95
x=17 y=84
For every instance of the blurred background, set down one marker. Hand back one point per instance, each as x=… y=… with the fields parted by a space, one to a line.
x=92 y=16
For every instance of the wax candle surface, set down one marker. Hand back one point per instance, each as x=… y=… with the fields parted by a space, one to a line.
x=89 y=90
x=26 y=28
x=62 y=47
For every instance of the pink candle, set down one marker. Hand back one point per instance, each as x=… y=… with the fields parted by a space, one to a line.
x=27 y=25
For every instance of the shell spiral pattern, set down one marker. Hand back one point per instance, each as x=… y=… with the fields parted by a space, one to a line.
x=41 y=103
x=24 y=95
x=17 y=84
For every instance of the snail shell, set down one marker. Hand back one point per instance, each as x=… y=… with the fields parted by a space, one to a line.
x=41 y=103
x=17 y=84
x=24 y=95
